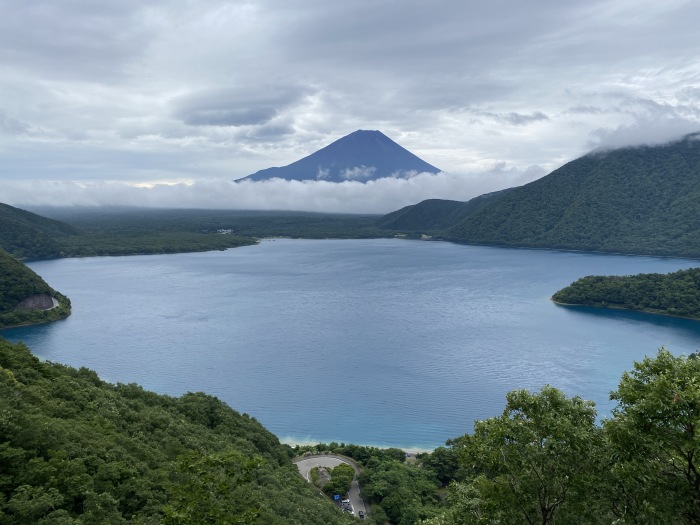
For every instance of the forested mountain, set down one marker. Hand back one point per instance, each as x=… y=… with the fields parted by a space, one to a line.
x=24 y=296
x=433 y=215
x=642 y=200
x=76 y=450
x=28 y=235
x=676 y=293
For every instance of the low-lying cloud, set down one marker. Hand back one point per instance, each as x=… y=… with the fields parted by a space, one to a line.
x=644 y=132
x=377 y=196
x=358 y=173
x=652 y=123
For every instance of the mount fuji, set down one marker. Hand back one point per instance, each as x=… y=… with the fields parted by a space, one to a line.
x=360 y=156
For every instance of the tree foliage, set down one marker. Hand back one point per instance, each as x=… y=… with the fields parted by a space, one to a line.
x=341 y=479
x=207 y=489
x=655 y=430
x=18 y=282
x=676 y=293
x=538 y=458
x=545 y=460
x=76 y=450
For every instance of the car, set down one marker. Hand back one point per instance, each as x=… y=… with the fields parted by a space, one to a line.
x=361 y=514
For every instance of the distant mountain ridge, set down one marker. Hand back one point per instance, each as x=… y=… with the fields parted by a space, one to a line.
x=360 y=156
x=435 y=214
x=640 y=200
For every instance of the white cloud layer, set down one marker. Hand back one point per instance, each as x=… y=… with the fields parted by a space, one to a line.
x=113 y=94
x=375 y=197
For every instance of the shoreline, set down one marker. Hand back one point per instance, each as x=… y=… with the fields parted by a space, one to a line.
x=613 y=307
x=410 y=450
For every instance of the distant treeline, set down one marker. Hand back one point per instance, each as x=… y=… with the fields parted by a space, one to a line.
x=78 y=232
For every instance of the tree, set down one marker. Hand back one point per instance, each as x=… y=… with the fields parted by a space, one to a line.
x=536 y=461
x=207 y=490
x=444 y=462
x=341 y=480
x=654 y=429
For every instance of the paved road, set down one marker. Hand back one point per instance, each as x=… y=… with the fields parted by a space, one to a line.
x=306 y=463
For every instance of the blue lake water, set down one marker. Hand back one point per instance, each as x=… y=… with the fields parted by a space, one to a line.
x=383 y=342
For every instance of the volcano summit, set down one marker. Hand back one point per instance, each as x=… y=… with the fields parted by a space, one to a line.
x=360 y=156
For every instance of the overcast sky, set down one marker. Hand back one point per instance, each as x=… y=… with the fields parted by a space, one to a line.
x=163 y=103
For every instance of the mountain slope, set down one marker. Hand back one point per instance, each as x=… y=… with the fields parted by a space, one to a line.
x=643 y=200
x=363 y=155
x=25 y=234
x=25 y=298
x=77 y=450
x=432 y=215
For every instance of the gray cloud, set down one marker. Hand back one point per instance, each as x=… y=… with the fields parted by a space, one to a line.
x=73 y=39
x=651 y=123
x=254 y=105
x=174 y=90
x=689 y=94
x=515 y=119
x=11 y=126
x=586 y=110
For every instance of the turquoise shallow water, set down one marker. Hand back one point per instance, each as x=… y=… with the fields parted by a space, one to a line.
x=384 y=342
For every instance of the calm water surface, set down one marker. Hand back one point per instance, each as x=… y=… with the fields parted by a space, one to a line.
x=385 y=342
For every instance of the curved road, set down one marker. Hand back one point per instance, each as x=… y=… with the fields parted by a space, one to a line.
x=306 y=463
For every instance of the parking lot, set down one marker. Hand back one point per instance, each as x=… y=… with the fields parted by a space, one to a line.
x=355 y=504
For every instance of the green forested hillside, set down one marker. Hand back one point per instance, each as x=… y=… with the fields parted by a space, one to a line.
x=676 y=293
x=18 y=282
x=76 y=450
x=27 y=235
x=433 y=215
x=426 y=216
x=643 y=200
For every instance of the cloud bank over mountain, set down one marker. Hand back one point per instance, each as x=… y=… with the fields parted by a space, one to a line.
x=374 y=196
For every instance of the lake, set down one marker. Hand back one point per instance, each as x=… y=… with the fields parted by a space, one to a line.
x=385 y=342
